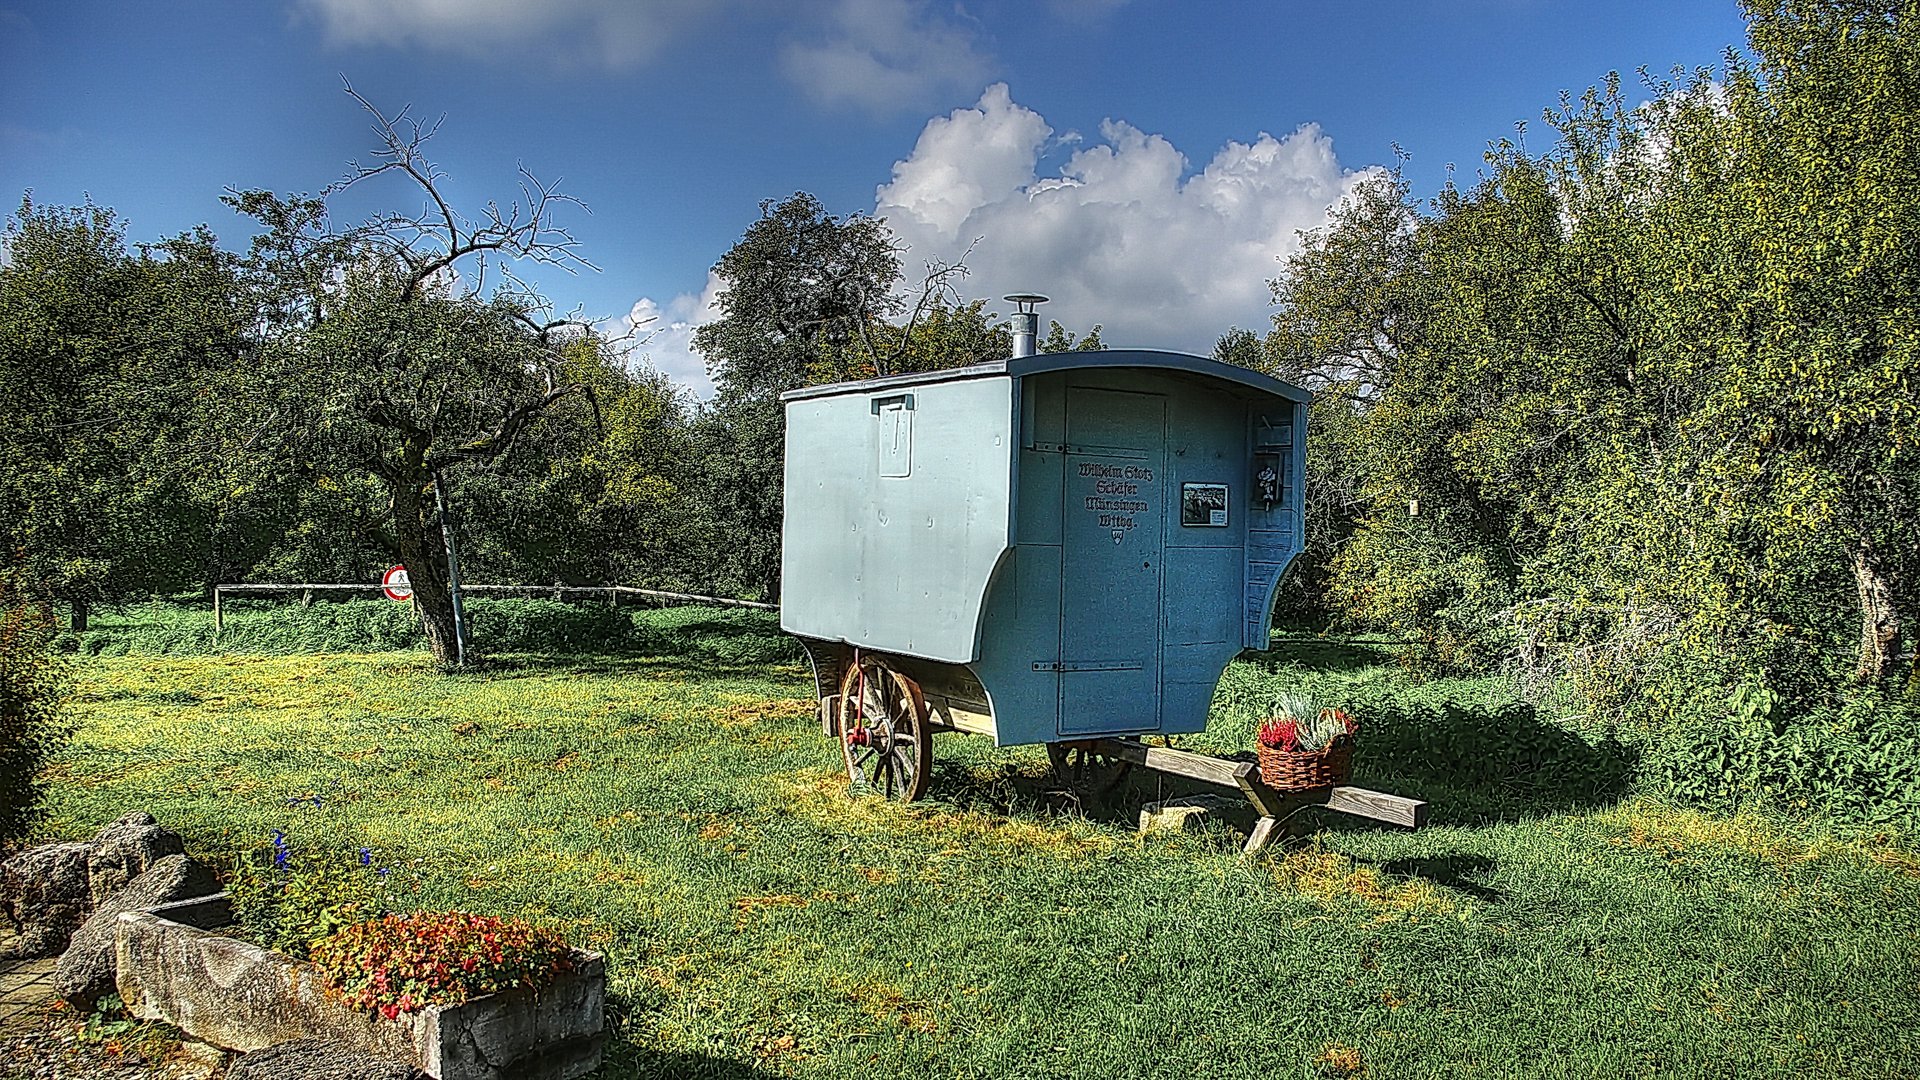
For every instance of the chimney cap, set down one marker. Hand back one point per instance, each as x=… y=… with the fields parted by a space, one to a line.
x=1025 y=299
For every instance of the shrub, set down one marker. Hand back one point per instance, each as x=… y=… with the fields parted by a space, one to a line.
x=497 y=625
x=1857 y=760
x=33 y=723
x=402 y=963
x=287 y=898
x=546 y=626
x=350 y=626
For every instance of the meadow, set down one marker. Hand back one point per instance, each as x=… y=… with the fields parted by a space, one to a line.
x=655 y=784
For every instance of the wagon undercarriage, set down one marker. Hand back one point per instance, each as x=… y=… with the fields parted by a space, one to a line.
x=884 y=723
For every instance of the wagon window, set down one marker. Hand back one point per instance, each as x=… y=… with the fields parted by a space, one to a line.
x=895 y=421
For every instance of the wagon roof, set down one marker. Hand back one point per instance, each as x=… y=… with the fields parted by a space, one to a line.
x=1064 y=361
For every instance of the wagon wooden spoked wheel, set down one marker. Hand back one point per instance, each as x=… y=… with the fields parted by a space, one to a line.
x=1090 y=774
x=883 y=730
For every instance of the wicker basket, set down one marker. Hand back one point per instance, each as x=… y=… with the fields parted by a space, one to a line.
x=1306 y=770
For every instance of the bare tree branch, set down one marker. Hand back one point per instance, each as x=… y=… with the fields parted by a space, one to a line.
x=501 y=439
x=432 y=242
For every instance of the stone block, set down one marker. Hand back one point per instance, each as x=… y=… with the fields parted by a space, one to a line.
x=126 y=849
x=86 y=970
x=239 y=996
x=311 y=1059
x=1182 y=815
x=44 y=893
x=48 y=891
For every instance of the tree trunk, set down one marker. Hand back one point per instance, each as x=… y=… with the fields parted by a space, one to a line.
x=417 y=535
x=81 y=609
x=1879 y=621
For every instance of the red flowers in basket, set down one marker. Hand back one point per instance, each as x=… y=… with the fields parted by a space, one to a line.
x=1280 y=733
x=1303 y=746
x=1298 y=724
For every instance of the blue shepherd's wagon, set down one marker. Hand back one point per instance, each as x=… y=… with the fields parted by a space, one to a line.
x=1061 y=548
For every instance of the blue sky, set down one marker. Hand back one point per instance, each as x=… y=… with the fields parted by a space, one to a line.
x=1143 y=162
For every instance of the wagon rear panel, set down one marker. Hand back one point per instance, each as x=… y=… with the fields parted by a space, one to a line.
x=896 y=514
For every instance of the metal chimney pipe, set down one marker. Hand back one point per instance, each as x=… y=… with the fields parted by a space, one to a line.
x=1026 y=323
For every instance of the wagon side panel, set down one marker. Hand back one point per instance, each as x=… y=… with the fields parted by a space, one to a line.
x=1020 y=636
x=1277 y=440
x=897 y=512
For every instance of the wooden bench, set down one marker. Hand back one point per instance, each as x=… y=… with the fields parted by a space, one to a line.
x=1272 y=806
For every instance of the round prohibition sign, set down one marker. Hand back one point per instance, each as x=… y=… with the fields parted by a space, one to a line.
x=396 y=584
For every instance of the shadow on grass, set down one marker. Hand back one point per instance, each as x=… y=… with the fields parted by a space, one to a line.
x=1472 y=764
x=672 y=668
x=626 y=1060
x=1457 y=872
x=1479 y=763
x=1034 y=792
x=726 y=644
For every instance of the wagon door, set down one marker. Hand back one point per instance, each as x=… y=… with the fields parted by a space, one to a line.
x=1112 y=532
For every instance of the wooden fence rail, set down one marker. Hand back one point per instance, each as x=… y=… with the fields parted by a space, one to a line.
x=613 y=592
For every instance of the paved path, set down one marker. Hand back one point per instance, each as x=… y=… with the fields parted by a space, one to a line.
x=25 y=986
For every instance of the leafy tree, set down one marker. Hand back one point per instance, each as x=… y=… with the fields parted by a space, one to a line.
x=588 y=496
x=1060 y=339
x=805 y=294
x=115 y=372
x=1239 y=347
x=1811 y=169
x=328 y=535
x=940 y=333
x=385 y=359
x=802 y=286
x=1637 y=404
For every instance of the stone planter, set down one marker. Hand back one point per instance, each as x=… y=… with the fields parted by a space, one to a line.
x=173 y=967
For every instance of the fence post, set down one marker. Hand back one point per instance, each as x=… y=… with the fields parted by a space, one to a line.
x=453 y=576
x=218 y=623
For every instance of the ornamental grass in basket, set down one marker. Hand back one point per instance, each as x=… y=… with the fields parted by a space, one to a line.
x=1304 y=747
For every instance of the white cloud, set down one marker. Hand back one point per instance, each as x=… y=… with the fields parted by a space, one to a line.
x=879 y=55
x=965 y=160
x=1122 y=235
x=616 y=33
x=664 y=334
x=885 y=56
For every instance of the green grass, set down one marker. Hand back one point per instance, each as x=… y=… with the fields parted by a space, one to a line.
x=502 y=625
x=677 y=808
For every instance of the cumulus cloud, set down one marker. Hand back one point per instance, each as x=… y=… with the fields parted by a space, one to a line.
x=886 y=55
x=878 y=55
x=664 y=334
x=1124 y=233
x=616 y=33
